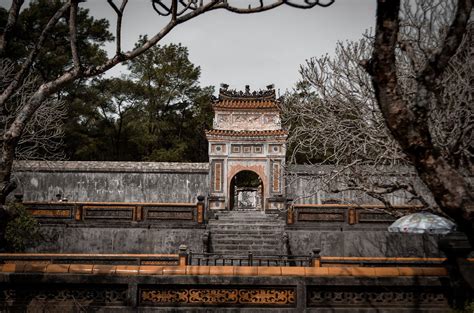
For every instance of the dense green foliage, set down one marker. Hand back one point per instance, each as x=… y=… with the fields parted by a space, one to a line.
x=22 y=230
x=157 y=113
x=55 y=54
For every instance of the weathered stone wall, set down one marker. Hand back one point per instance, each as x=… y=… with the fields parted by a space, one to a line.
x=64 y=239
x=363 y=243
x=180 y=182
x=111 y=181
x=306 y=184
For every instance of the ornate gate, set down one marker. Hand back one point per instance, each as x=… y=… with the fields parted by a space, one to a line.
x=246 y=136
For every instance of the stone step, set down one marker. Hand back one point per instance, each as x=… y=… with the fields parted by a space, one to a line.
x=245 y=213
x=241 y=230
x=243 y=247
x=245 y=234
x=258 y=214
x=246 y=222
x=238 y=231
x=246 y=218
x=245 y=253
x=248 y=225
x=241 y=241
x=256 y=237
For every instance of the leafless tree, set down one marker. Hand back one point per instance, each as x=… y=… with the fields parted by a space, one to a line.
x=43 y=135
x=411 y=123
x=177 y=11
x=335 y=115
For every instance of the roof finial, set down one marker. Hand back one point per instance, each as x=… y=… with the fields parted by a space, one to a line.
x=247 y=89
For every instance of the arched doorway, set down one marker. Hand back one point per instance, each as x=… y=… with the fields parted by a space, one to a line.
x=246 y=191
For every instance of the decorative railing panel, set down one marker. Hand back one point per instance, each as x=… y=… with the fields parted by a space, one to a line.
x=110 y=213
x=368 y=296
x=72 y=288
x=217 y=296
x=80 y=295
x=344 y=215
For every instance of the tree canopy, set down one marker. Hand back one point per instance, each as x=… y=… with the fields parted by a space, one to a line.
x=156 y=113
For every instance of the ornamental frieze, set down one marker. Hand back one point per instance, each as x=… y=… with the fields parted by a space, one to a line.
x=250 y=296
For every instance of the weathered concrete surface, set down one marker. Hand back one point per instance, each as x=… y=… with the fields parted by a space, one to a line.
x=62 y=239
x=367 y=243
x=363 y=243
x=111 y=181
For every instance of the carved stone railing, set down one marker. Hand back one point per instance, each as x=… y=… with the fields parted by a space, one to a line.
x=120 y=213
x=184 y=288
x=344 y=215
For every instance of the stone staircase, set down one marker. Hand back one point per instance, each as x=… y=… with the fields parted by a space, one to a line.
x=242 y=231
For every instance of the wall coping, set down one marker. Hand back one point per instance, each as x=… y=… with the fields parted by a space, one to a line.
x=109 y=166
x=134 y=270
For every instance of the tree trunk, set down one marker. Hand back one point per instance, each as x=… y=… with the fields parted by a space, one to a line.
x=409 y=125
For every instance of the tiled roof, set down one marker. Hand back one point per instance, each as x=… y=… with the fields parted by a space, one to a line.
x=245 y=104
x=247 y=133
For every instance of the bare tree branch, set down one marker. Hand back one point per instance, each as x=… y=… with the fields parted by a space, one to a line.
x=439 y=61
x=73 y=35
x=118 y=32
x=26 y=66
x=12 y=19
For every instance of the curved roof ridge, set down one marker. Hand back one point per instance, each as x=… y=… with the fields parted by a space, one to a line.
x=228 y=132
x=246 y=104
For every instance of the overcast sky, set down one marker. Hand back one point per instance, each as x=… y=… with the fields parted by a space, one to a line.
x=257 y=49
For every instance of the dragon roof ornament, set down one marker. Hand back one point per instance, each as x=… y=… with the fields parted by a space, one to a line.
x=257 y=95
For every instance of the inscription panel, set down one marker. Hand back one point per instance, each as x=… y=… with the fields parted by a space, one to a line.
x=59 y=210
x=321 y=217
x=217 y=175
x=168 y=213
x=375 y=217
x=276 y=176
x=51 y=213
x=211 y=296
x=116 y=212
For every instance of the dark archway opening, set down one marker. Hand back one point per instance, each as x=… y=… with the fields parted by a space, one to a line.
x=246 y=190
